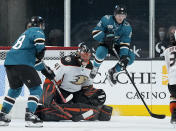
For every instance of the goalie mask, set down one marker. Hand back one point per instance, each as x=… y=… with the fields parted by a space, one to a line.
x=84 y=53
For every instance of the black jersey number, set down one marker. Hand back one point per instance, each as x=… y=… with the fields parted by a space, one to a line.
x=172 y=59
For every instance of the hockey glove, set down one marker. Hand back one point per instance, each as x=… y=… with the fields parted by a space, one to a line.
x=48 y=73
x=124 y=61
x=109 y=39
x=40 y=54
x=95 y=96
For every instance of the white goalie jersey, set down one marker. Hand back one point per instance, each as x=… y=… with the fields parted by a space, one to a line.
x=170 y=59
x=72 y=74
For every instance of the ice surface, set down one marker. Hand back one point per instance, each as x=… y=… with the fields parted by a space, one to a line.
x=117 y=123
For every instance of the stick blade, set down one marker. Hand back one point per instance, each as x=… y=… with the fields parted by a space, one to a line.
x=158 y=116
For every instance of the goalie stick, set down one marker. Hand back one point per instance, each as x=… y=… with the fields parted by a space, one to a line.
x=151 y=114
x=65 y=100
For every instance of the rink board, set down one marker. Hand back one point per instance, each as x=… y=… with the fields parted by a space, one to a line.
x=150 y=78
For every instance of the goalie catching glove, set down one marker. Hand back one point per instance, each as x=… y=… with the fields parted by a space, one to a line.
x=48 y=73
x=96 y=96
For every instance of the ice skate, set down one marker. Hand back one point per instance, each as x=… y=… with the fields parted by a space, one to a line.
x=111 y=76
x=4 y=120
x=94 y=72
x=173 y=118
x=32 y=120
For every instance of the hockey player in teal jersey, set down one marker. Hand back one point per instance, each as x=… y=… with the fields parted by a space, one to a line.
x=113 y=31
x=21 y=63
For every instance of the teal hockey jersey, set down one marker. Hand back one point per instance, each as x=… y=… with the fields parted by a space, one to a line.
x=25 y=48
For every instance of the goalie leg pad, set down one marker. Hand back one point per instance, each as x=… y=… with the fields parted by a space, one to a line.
x=172 y=90
x=105 y=113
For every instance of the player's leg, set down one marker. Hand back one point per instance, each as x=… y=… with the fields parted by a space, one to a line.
x=31 y=79
x=13 y=92
x=100 y=55
x=172 y=90
x=112 y=73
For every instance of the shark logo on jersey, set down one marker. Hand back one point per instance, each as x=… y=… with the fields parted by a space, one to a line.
x=80 y=79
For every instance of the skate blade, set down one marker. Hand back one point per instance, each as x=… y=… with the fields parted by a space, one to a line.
x=31 y=124
x=174 y=124
x=2 y=123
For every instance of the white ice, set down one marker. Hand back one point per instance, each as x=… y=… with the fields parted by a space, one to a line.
x=117 y=123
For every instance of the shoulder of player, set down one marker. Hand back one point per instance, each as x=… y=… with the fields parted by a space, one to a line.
x=36 y=30
x=69 y=60
x=126 y=24
x=107 y=18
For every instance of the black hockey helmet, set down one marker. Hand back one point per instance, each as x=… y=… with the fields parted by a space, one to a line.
x=84 y=52
x=36 y=21
x=120 y=9
x=172 y=38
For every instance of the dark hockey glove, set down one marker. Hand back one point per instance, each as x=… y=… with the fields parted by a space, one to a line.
x=48 y=73
x=40 y=54
x=124 y=61
x=95 y=96
x=109 y=39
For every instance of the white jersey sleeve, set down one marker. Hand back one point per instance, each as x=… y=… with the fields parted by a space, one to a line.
x=58 y=71
x=170 y=59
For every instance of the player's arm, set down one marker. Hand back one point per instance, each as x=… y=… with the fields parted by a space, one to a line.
x=39 y=43
x=124 y=45
x=98 y=32
x=125 y=41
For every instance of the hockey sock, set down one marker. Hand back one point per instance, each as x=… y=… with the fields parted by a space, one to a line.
x=100 y=55
x=172 y=106
x=118 y=68
x=9 y=100
x=33 y=99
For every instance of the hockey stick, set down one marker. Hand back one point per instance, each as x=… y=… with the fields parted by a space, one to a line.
x=151 y=114
x=57 y=88
x=65 y=100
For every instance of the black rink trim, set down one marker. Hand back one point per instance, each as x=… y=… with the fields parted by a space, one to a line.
x=9 y=100
x=33 y=99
